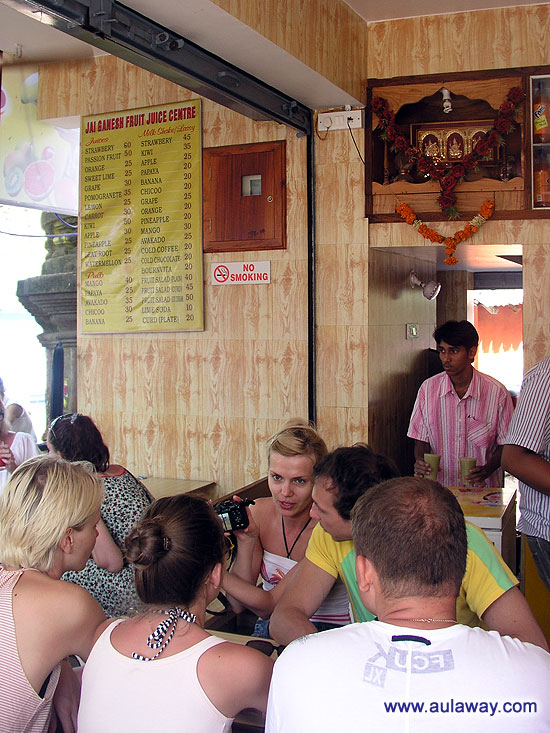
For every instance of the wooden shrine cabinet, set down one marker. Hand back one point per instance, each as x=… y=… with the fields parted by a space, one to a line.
x=510 y=175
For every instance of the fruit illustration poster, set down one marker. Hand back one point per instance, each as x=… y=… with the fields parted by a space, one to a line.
x=140 y=220
x=39 y=159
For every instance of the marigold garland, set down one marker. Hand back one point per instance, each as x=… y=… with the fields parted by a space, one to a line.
x=451 y=243
x=447 y=176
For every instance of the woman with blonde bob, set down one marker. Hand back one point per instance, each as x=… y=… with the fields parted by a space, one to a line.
x=48 y=515
x=279 y=531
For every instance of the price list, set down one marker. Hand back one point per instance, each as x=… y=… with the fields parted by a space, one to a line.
x=140 y=220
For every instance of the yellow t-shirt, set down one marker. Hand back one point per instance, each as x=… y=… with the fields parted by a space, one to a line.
x=487 y=576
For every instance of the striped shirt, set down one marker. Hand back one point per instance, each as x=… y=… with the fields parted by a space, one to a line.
x=472 y=426
x=530 y=428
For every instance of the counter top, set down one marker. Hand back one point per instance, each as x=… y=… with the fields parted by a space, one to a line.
x=487 y=503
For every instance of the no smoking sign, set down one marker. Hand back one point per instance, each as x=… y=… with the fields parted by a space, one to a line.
x=220 y=274
x=241 y=273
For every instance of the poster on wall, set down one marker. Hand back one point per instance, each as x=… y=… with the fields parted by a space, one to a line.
x=140 y=220
x=39 y=159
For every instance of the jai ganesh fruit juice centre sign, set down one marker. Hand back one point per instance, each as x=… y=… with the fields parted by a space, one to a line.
x=140 y=220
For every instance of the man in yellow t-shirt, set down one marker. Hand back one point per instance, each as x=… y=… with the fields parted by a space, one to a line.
x=489 y=592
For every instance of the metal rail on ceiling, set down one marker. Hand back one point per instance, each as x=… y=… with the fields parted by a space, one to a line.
x=125 y=33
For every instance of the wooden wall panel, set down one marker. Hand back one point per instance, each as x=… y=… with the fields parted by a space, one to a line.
x=342 y=287
x=516 y=231
x=536 y=303
x=342 y=358
x=484 y=39
x=452 y=301
x=397 y=365
x=198 y=405
x=101 y=84
x=326 y=35
x=341 y=276
x=343 y=425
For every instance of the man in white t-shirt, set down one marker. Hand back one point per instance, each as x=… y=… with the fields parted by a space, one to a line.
x=413 y=668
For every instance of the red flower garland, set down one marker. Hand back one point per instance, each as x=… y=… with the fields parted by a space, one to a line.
x=448 y=177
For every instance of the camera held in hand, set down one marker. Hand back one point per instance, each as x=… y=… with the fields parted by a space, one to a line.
x=233 y=514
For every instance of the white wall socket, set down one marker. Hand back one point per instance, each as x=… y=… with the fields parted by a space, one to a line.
x=339 y=120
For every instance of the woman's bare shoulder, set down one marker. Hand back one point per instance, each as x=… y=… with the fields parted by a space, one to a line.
x=248 y=688
x=68 y=614
x=77 y=599
x=234 y=651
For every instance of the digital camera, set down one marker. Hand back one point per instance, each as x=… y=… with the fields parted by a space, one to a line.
x=233 y=514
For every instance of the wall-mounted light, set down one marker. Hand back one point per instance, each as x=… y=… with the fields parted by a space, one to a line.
x=430 y=290
x=447 y=104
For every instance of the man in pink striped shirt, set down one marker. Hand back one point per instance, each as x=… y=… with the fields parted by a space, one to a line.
x=460 y=412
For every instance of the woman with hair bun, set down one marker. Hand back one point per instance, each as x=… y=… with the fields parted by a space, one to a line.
x=48 y=516
x=161 y=671
x=106 y=576
x=279 y=531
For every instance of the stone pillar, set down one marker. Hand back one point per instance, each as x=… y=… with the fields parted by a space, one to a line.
x=51 y=299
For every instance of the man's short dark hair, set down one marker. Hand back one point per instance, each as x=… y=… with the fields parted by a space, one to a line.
x=413 y=531
x=353 y=470
x=457 y=333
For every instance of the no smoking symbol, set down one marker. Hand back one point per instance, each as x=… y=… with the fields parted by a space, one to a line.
x=221 y=273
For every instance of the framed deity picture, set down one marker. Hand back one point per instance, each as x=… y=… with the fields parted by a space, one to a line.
x=451 y=142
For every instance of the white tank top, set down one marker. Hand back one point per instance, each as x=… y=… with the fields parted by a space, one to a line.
x=334 y=609
x=120 y=694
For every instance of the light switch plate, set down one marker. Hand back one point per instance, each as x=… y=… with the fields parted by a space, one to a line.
x=339 y=120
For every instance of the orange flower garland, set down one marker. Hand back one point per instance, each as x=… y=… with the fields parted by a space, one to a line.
x=451 y=243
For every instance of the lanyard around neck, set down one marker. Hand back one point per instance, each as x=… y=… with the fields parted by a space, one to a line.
x=300 y=533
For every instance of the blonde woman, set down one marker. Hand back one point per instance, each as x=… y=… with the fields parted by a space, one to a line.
x=48 y=516
x=279 y=531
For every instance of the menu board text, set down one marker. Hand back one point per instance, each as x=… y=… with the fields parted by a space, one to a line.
x=140 y=220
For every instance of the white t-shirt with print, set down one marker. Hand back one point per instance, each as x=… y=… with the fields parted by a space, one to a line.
x=464 y=679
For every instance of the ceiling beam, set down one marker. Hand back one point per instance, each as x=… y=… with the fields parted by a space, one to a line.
x=125 y=33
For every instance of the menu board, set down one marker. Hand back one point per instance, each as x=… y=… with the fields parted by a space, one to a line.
x=140 y=220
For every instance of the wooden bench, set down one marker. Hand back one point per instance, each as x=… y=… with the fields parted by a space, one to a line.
x=255 y=490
